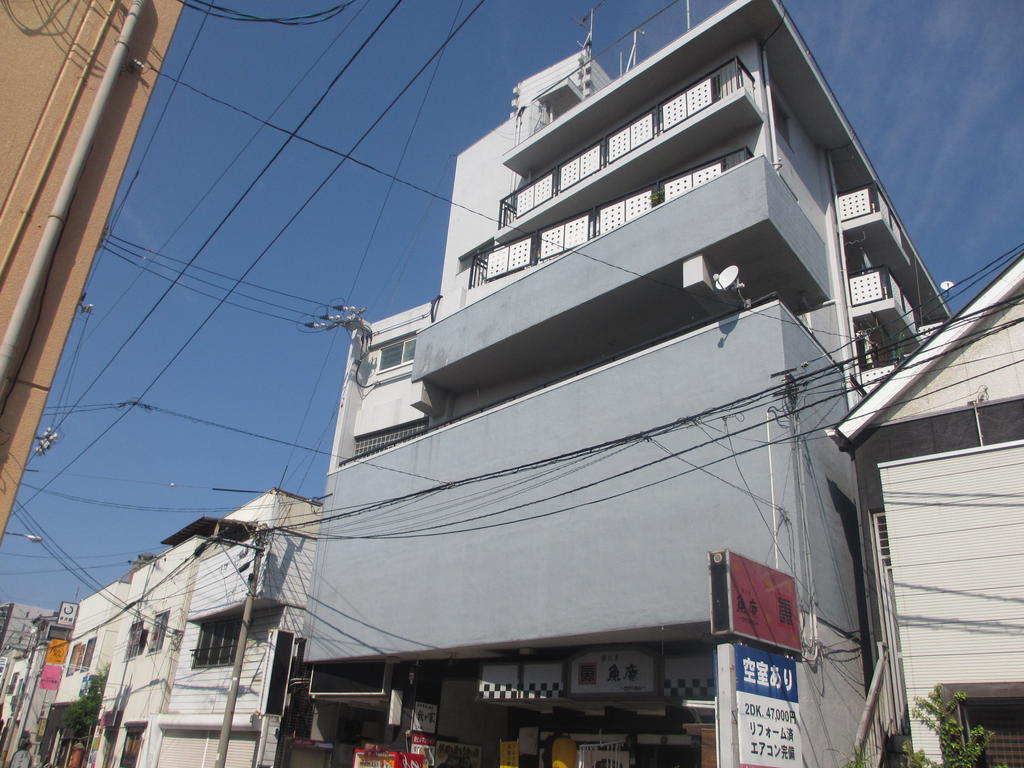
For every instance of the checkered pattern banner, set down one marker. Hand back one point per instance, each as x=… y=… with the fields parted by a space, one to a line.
x=700 y=689
x=499 y=691
x=543 y=691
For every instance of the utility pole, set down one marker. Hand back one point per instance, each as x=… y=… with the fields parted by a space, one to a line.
x=243 y=635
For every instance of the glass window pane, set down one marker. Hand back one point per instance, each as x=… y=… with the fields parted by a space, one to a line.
x=391 y=356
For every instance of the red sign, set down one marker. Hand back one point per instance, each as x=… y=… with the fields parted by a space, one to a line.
x=754 y=601
x=423 y=739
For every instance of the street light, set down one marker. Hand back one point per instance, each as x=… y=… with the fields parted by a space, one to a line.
x=30 y=536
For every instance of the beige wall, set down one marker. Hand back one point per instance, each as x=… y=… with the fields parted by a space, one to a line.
x=52 y=56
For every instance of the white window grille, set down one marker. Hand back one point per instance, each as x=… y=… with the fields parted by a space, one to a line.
x=524 y=201
x=552 y=241
x=542 y=190
x=590 y=161
x=569 y=173
x=866 y=288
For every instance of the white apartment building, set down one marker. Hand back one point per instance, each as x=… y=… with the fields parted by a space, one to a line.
x=178 y=630
x=682 y=275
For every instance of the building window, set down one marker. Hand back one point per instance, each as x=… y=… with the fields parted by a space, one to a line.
x=90 y=646
x=217 y=643
x=136 y=639
x=398 y=354
x=159 y=631
x=75 y=663
x=375 y=441
x=132 y=747
x=13 y=684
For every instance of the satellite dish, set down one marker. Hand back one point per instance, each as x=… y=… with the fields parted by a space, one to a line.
x=945 y=285
x=728 y=278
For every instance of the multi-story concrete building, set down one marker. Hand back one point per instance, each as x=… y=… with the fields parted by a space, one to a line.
x=657 y=290
x=81 y=75
x=16 y=628
x=176 y=634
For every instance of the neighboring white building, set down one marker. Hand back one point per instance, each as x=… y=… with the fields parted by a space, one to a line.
x=16 y=628
x=940 y=456
x=177 y=631
x=531 y=470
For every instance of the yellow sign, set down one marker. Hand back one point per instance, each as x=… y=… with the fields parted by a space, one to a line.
x=57 y=652
x=508 y=752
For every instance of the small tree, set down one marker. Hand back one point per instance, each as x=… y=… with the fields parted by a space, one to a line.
x=81 y=715
x=959 y=749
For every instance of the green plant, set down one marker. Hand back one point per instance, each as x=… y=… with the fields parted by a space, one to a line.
x=81 y=715
x=960 y=749
x=657 y=197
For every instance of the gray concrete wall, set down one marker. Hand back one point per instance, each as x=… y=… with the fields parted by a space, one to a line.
x=623 y=553
x=732 y=206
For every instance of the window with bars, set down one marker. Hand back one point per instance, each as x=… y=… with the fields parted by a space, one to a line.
x=137 y=637
x=159 y=631
x=217 y=643
x=378 y=440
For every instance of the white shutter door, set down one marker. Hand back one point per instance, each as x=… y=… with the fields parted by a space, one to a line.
x=198 y=749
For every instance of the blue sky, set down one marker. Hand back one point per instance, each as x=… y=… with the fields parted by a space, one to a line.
x=932 y=88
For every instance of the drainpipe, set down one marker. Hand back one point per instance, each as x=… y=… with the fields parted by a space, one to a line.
x=766 y=85
x=20 y=325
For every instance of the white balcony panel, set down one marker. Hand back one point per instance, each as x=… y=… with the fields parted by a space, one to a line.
x=854 y=204
x=497 y=262
x=673 y=111
x=577 y=232
x=524 y=201
x=640 y=131
x=704 y=175
x=590 y=161
x=569 y=173
x=698 y=97
x=866 y=288
x=543 y=190
x=679 y=186
x=618 y=145
x=519 y=254
x=613 y=217
x=552 y=241
x=638 y=205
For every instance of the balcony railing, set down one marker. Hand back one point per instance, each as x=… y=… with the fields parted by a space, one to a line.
x=863 y=201
x=876 y=284
x=577 y=230
x=696 y=97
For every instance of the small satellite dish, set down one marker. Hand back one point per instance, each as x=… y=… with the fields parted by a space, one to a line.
x=728 y=278
x=945 y=285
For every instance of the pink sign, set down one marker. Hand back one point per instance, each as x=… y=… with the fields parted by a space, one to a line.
x=50 y=679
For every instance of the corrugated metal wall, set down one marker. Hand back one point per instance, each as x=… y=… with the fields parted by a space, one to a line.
x=956 y=532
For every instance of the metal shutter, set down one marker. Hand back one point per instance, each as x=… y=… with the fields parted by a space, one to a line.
x=198 y=749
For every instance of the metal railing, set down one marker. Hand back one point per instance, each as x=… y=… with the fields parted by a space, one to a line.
x=538 y=246
x=880 y=721
x=694 y=98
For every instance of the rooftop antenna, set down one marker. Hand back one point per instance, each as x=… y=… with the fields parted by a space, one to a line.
x=728 y=280
x=946 y=285
x=687 y=15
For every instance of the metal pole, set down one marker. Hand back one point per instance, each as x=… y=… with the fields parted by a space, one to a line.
x=236 y=669
x=40 y=266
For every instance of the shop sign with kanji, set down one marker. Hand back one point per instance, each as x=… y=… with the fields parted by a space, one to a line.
x=767 y=710
x=753 y=601
x=628 y=671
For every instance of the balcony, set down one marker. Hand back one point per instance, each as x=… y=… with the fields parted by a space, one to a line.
x=875 y=292
x=689 y=124
x=625 y=286
x=581 y=228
